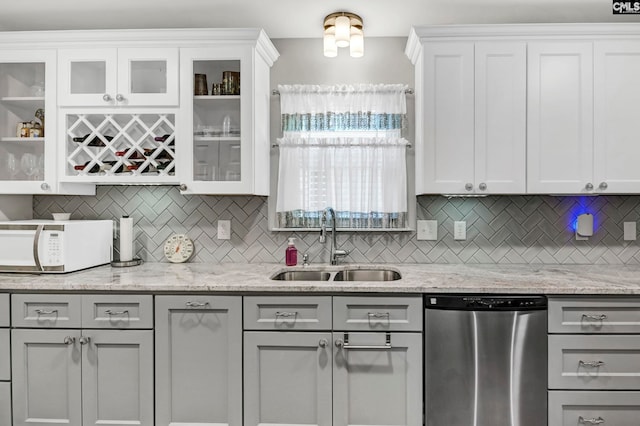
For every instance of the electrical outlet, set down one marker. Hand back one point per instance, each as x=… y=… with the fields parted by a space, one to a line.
x=459 y=230
x=224 y=229
x=629 y=231
x=427 y=230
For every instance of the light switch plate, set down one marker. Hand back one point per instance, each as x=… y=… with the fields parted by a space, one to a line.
x=629 y=231
x=427 y=230
x=459 y=230
x=224 y=229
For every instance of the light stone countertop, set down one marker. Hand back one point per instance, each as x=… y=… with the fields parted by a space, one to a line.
x=416 y=278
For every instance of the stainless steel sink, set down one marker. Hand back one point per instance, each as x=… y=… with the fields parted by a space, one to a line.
x=302 y=276
x=367 y=275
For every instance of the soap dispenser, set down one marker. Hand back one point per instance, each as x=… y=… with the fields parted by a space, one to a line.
x=291 y=254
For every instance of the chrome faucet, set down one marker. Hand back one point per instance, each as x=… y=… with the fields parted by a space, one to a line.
x=334 y=252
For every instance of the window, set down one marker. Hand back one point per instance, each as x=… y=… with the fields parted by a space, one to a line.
x=342 y=147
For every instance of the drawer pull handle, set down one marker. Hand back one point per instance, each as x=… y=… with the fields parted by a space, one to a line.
x=286 y=314
x=344 y=344
x=114 y=313
x=45 y=312
x=197 y=304
x=591 y=421
x=594 y=317
x=378 y=315
x=592 y=364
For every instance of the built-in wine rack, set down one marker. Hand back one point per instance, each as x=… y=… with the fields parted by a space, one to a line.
x=129 y=146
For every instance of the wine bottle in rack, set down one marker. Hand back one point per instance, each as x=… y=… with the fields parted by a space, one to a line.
x=164 y=138
x=134 y=156
x=96 y=141
x=164 y=155
x=108 y=166
x=94 y=169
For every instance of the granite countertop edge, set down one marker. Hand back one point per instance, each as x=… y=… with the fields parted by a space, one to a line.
x=416 y=278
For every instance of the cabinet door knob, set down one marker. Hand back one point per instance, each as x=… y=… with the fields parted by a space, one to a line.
x=44 y=186
x=68 y=340
x=339 y=343
x=482 y=186
x=107 y=97
x=120 y=98
x=323 y=343
x=603 y=185
x=468 y=186
x=85 y=340
x=588 y=186
x=183 y=187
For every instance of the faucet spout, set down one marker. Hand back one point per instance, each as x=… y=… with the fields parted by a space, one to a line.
x=334 y=252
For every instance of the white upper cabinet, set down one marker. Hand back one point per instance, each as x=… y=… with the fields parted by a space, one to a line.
x=560 y=117
x=28 y=124
x=103 y=77
x=471 y=118
x=444 y=157
x=537 y=109
x=500 y=117
x=615 y=124
x=225 y=129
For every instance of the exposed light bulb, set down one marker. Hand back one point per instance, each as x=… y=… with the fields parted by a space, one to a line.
x=343 y=26
x=330 y=47
x=356 y=47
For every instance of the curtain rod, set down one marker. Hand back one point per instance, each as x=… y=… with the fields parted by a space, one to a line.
x=408 y=145
x=275 y=92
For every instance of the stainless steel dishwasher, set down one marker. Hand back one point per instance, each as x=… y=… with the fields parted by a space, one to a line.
x=485 y=360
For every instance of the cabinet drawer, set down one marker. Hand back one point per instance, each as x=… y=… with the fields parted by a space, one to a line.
x=594 y=362
x=594 y=315
x=46 y=310
x=5 y=353
x=117 y=311
x=4 y=310
x=593 y=408
x=5 y=403
x=377 y=313
x=287 y=313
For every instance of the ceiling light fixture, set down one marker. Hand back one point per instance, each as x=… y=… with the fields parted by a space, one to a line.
x=342 y=29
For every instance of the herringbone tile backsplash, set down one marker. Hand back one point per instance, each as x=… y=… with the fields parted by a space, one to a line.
x=500 y=229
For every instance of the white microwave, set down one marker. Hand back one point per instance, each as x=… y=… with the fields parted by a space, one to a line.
x=47 y=246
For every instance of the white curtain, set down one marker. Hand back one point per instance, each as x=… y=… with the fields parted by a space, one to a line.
x=342 y=148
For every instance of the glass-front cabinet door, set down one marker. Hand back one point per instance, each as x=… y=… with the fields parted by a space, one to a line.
x=27 y=122
x=219 y=97
x=105 y=77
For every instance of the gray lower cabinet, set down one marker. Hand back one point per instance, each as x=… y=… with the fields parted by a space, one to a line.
x=377 y=379
x=5 y=403
x=594 y=361
x=198 y=360
x=88 y=377
x=579 y=408
x=334 y=378
x=287 y=378
x=5 y=362
x=47 y=381
x=80 y=376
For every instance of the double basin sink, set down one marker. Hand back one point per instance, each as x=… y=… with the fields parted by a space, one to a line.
x=360 y=274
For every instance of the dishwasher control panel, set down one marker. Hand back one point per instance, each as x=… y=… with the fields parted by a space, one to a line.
x=485 y=302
